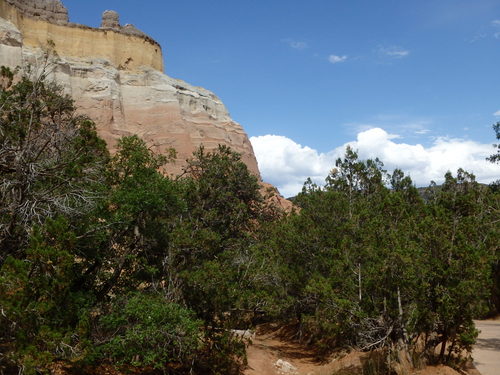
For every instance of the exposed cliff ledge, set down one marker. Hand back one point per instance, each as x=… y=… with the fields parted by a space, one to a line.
x=48 y=10
x=42 y=20
x=114 y=73
x=165 y=112
x=111 y=20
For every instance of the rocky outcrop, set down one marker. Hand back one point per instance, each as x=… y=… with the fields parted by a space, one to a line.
x=110 y=20
x=48 y=10
x=9 y=34
x=10 y=44
x=166 y=112
x=130 y=29
x=123 y=47
x=114 y=75
x=273 y=196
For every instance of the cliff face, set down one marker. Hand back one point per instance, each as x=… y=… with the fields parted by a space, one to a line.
x=42 y=20
x=49 y=10
x=114 y=73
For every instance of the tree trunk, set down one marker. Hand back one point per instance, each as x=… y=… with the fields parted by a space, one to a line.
x=443 y=348
x=401 y=320
x=359 y=281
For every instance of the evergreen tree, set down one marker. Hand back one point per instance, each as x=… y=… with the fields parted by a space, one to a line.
x=51 y=160
x=495 y=158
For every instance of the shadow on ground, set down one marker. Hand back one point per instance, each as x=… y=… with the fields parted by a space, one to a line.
x=488 y=344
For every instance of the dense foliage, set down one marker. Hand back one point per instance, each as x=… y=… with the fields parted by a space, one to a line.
x=105 y=260
x=375 y=266
x=51 y=160
x=495 y=158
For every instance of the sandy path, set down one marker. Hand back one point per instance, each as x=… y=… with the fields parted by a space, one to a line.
x=270 y=354
x=486 y=352
x=269 y=350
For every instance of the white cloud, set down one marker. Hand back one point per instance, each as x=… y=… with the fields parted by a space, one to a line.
x=497 y=113
x=334 y=59
x=394 y=52
x=496 y=26
x=477 y=37
x=287 y=164
x=398 y=53
x=422 y=131
x=296 y=44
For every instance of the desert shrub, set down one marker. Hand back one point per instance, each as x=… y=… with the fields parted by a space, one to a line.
x=222 y=354
x=42 y=318
x=144 y=329
x=51 y=160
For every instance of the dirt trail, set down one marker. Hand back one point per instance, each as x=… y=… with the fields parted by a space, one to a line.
x=272 y=354
x=486 y=352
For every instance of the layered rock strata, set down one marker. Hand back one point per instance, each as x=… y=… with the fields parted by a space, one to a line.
x=114 y=73
x=42 y=21
x=48 y=10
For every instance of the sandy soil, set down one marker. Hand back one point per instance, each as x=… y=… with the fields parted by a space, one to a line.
x=272 y=354
x=437 y=370
x=269 y=354
x=486 y=352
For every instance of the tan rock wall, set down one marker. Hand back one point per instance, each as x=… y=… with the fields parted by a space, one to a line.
x=165 y=112
x=49 y=10
x=120 y=49
x=124 y=98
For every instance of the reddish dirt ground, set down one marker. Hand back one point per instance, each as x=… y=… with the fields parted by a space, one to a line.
x=437 y=370
x=269 y=347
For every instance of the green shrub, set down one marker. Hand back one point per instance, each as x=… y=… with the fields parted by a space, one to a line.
x=222 y=354
x=145 y=330
x=42 y=318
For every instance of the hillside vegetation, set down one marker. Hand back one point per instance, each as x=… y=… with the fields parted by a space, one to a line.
x=106 y=261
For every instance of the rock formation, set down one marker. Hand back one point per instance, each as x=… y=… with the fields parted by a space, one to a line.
x=48 y=10
x=110 y=20
x=115 y=74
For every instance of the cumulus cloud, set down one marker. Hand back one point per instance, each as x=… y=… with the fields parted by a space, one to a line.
x=287 y=164
x=497 y=113
x=495 y=22
x=296 y=44
x=335 y=59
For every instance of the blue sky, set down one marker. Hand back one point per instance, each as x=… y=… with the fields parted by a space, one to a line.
x=322 y=73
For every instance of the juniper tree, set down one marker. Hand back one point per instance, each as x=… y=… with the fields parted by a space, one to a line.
x=51 y=159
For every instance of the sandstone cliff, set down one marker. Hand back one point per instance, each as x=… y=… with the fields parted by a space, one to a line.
x=115 y=74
